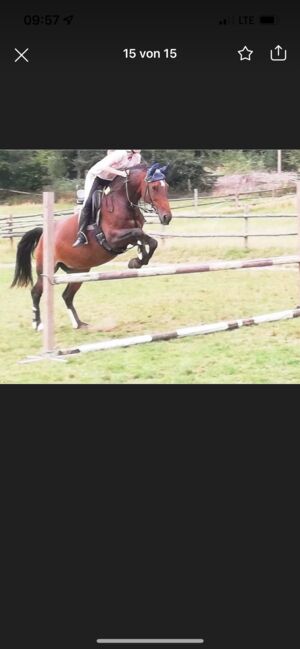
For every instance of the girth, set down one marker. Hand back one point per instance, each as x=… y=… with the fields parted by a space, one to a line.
x=100 y=236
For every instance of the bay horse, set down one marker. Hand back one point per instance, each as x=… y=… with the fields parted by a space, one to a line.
x=121 y=225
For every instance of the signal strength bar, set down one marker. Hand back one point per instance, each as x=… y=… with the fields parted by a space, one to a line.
x=228 y=20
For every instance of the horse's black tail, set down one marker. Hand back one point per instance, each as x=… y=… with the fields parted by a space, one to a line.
x=26 y=247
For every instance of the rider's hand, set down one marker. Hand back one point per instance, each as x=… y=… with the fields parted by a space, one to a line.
x=123 y=174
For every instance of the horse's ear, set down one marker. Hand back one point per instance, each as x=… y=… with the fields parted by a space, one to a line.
x=155 y=165
x=156 y=172
x=152 y=169
x=164 y=169
x=157 y=175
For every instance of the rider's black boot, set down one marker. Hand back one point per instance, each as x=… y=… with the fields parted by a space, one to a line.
x=97 y=200
x=81 y=238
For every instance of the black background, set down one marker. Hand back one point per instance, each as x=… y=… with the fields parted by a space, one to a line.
x=186 y=527
x=78 y=91
x=143 y=511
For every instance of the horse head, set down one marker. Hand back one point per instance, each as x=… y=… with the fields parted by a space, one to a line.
x=156 y=191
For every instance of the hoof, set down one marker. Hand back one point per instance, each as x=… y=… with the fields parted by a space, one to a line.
x=37 y=326
x=82 y=325
x=76 y=324
x=135 y=263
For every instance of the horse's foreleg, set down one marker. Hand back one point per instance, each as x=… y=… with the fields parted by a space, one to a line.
x=36 y=294
x=68 y=296
x=146 y=246
x=136 y=237
x=149 y=247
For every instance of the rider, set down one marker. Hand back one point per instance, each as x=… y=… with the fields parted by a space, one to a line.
x=100 y=176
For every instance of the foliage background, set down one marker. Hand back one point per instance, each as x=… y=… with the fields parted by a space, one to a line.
x=64 y=170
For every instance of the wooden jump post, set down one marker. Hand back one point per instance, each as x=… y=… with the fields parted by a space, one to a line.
x=298 y=211
x=48 y=272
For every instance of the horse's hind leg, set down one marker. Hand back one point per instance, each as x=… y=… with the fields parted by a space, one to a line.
x=68 y=296
x=36 y=294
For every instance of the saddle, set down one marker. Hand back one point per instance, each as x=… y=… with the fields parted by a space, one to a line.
x=96 y=218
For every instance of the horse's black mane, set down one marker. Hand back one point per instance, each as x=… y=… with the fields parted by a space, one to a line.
x=142 y=166
x=118 y=183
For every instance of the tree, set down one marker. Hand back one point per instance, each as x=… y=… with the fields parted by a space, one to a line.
x=22 y=170
x=186 y=168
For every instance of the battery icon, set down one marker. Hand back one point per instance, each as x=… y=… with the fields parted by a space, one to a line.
x=267 y=20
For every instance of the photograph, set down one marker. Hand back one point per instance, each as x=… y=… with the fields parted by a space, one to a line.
x=210 y=236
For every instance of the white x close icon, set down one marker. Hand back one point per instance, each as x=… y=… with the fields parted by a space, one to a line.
x=21 y=55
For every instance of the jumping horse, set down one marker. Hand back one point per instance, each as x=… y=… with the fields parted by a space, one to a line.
x=121 y=226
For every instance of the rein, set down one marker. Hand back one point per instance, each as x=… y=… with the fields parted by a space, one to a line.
x=143 y=197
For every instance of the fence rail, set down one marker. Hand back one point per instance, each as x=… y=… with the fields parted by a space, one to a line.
x=237 y=193
x=229 y=216
x=245 y=234
x=236 y=196
x=15 y=226
x=219 y=235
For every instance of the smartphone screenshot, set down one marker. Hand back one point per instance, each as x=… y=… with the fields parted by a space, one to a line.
x=150 y=283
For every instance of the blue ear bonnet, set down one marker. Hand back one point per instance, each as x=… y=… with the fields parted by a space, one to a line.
x=156 y=172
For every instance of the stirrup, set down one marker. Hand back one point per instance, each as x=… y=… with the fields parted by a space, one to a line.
x=100 y=238
x=81 y=240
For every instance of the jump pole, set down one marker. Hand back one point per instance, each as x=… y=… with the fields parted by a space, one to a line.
x=176 y=269
x=181 y=333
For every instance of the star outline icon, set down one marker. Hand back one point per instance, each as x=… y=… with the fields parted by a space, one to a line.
x=245 y=53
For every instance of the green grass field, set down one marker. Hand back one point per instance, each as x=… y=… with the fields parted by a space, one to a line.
x=268 y=353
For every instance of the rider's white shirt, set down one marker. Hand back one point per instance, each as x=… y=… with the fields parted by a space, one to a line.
x=117 y=159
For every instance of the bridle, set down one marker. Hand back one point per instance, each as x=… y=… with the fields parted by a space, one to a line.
x=144 y=198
